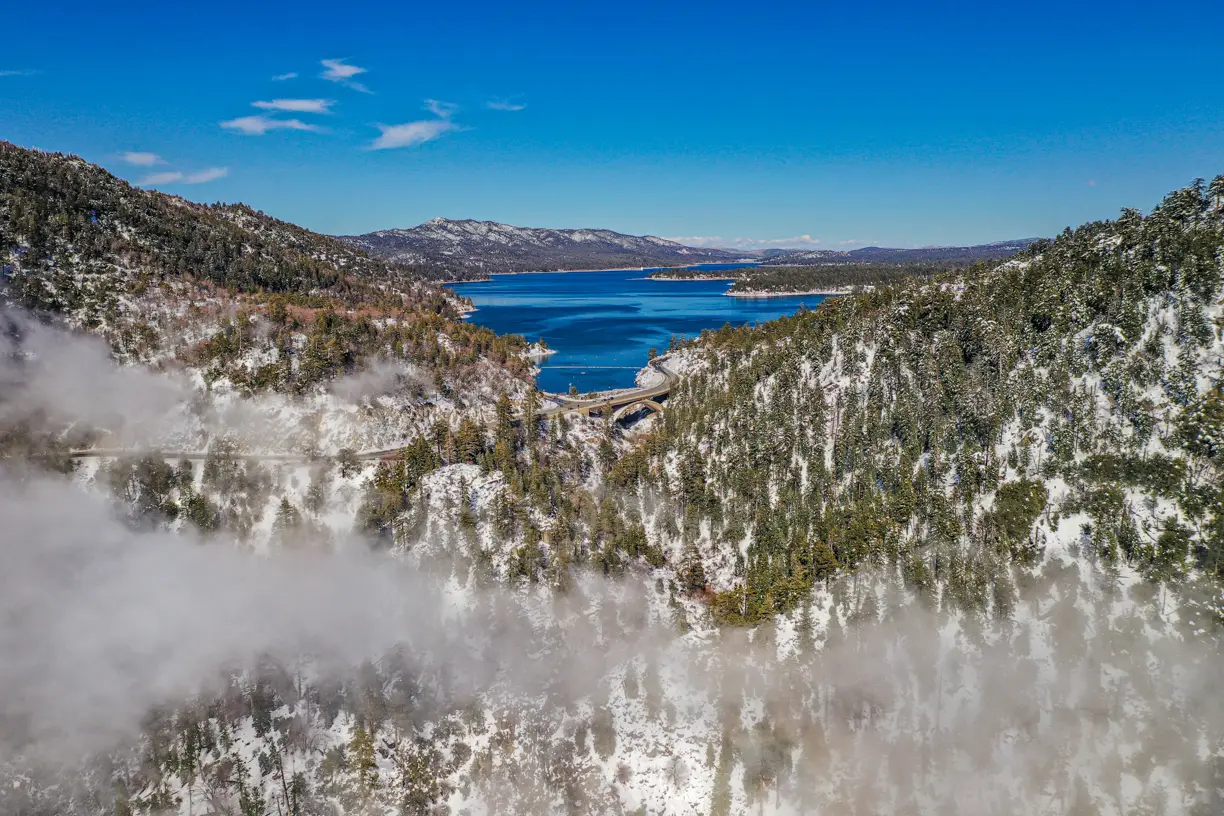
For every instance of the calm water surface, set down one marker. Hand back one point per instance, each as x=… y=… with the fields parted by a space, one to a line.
x=602 y=324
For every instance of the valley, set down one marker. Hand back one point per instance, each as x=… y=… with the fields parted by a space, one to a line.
x=949 y=543
x=635 y=409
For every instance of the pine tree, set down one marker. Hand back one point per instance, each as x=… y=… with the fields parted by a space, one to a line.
x=603 y=733
x=692 y=570
x=720 y=802
x=1215 y=192
x=804 y=629
x=824 y=562
x=469 y=441
x=631 y=682
x=363 y=764
x=123 y=803
x=531 y=417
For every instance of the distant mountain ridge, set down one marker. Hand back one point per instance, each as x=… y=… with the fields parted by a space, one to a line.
x=874 y=254
x=468 y=248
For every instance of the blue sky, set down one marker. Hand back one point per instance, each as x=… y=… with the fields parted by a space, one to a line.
x=766 y=124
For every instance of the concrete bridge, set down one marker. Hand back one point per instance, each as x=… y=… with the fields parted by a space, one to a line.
x=620 y=403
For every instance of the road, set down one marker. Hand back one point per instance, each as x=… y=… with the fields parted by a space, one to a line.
x=616 y=399
x=598 y=404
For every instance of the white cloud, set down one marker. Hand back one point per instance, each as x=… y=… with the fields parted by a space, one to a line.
x=140 y=159
x=443 y=110
x=18 y=72
x=204 y=176
x=340 y=71
x=177 y=177
x=698 y=240
x=297 y=105
x=504 y=105
x=797 y=242
x=412 y=133
x=283 y=77
x=259 y=125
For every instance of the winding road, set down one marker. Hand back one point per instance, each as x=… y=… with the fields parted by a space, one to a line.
x=621 y=403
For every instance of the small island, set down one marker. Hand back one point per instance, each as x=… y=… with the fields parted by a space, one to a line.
x=539 y=351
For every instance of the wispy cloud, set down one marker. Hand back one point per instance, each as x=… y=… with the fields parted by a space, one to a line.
x=445 y=110
x=176 y=177
x=139 y=159
x=259 y=125
x=283 y=77
x=297 y=105
x=797 y=242
x=412 y=134
x=11 y=72
x=1091 y=182
x=340 y=71
x=504 y=105
x=698 y=240
x=204 y=176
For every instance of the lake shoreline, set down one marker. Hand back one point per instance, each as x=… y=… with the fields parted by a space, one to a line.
x=762 y=293
x=602 y=325
x=772 y=294
x=672 y=278
x=489 y=279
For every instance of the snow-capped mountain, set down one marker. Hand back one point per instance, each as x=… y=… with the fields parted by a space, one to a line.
x=873 y=254
x=470 y=247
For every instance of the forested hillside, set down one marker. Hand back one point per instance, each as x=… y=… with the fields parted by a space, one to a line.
x=926 y=426
x=952 y=546
x=62 y=213
x=241 y=296
x=833 y=278
x=950 y=255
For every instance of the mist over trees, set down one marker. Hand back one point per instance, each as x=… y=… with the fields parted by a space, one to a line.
x=953 y=544
x=218 y=286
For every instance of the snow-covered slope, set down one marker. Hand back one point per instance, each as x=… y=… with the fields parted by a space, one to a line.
x=963 y=255
x=468 y=247
x=951 y=547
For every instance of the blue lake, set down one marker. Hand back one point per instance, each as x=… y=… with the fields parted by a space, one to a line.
x=603 y=324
